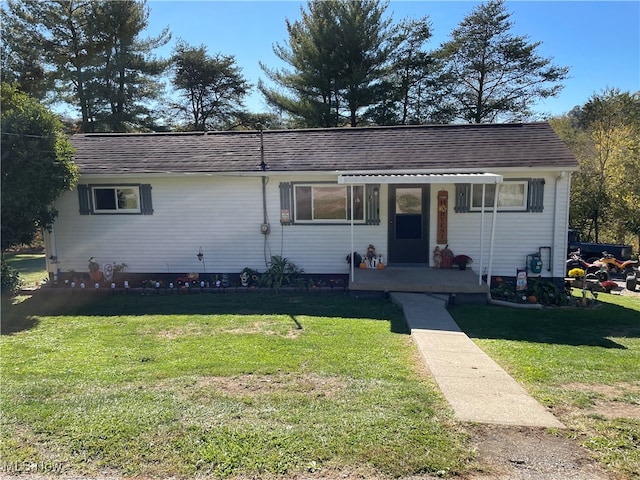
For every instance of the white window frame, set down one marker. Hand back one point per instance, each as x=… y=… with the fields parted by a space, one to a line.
x=501 y=196
x=313 y=220
x=115 y=188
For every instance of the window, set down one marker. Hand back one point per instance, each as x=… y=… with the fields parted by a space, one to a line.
x=516 y=194
x=328 y=203
x=118 y=199
x=512 y=196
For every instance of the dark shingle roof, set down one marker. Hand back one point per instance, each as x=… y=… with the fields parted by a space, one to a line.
x=407 y=148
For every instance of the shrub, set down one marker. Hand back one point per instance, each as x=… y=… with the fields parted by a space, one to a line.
x=281 y=272
x=10 y=278
x=547 y=292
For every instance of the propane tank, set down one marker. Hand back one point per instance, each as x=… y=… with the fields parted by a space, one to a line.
x=536 y=263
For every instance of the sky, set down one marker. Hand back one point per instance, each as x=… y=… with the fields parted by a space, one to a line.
x=598 y=40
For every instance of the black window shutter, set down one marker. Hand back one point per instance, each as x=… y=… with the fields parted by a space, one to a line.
x=286 y=212
x=535 y=195
x=463 y=197
x=146 y=205
x=84 y=200
x=372 y=202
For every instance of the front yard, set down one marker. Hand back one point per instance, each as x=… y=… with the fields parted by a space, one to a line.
x=582 y=363
x=268 y=385
x=219 y=385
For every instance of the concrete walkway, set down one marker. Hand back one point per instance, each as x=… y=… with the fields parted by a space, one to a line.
x=477 y=388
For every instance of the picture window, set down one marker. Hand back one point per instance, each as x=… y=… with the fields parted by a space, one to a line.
x=328 y=203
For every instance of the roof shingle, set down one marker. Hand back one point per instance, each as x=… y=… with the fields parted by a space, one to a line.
x=468 y=147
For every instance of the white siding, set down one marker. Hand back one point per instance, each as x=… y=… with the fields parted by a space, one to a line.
x=517 y=234
x=222 y=215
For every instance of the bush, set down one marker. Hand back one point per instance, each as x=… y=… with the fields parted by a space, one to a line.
x=282 y=272
x=10 y=279
x=545 y=291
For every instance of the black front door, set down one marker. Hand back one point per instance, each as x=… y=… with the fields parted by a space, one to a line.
x=408 y=224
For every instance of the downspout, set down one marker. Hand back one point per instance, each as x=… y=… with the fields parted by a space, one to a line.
x=555 y=219
x=52 y=257
x=265 y=228
x=263 y=167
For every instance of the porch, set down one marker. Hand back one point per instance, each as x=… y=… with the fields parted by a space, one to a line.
x=417 y=279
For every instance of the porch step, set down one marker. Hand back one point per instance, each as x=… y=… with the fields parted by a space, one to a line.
x=418 y=280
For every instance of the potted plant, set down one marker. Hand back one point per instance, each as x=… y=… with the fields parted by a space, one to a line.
x=462 y=261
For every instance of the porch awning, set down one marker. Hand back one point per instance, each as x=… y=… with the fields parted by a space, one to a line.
x=427 y=178
x=478 y=178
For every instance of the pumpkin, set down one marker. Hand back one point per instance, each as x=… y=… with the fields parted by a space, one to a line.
x=380 y=266
x=363 y=265
x=532 y=299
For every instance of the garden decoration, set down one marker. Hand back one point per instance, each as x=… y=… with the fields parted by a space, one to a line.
x=372 y=260
x=447 y=258
x=437 y=257
x=356 y=257
x=94 y=270
x=462 y=261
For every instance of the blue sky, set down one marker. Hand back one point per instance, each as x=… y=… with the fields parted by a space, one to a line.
x=599 y=41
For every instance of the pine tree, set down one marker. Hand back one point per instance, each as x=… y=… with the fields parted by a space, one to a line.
x=494 y=75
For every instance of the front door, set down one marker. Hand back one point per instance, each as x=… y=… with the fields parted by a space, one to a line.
x=408 y=224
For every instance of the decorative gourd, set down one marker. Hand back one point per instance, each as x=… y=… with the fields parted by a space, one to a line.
x=363 y=265
x=532 y=299
x=380 y=266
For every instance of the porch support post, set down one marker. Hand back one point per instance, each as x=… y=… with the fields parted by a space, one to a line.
x=493 y=233
x=484 y=188
x=353 y=260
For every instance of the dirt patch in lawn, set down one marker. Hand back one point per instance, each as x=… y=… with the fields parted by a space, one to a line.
x=522 y=453
x=610 y=401
x=502 y=453
x=265 y=384
x=613 y=410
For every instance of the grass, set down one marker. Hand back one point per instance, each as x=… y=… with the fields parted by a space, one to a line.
x=30 y=265
x=582 y=363
x=219 y=385
x=262 y=385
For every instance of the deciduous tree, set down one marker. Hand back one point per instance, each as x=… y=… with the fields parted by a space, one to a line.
x=212 y=88
x=604 y=135
x=36 y=166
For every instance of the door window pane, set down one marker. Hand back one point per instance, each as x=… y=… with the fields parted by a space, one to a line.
x=408 y=200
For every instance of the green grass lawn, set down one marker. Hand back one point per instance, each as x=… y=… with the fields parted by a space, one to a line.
x=220 y=385
x=31 y=266
x=583 y=363
x=263 y=384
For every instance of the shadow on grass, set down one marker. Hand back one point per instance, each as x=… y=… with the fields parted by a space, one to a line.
x=24 y=315
x=563 y=326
